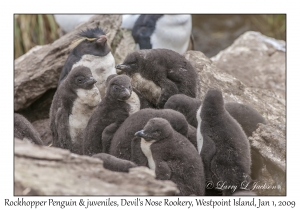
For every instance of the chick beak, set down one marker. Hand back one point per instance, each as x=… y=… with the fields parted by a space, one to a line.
x=121 y=68
x=92 y=81
x=140 y=134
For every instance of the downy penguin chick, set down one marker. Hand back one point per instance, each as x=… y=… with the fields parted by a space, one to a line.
x=172 y=157
x=226 y=150
x=108 y=116
x=157 y=74
x=24 y=130
x=72 y=106
x=244 y=114
x=115 y=164
x=124 y=144
x=91 y=49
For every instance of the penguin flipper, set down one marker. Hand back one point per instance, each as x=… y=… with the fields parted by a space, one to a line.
x=62 y=126
x=168 y=88
x=107 y=136
x=207 y=153
x=163 y=171
x=137 y=155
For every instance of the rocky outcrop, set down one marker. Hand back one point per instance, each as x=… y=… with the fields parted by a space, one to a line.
x=41 y=170
x=38 y=70
x=269 y=104
x=256 y=60
x=270 y=142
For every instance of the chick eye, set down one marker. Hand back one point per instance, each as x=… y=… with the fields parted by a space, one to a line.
x=116 y=87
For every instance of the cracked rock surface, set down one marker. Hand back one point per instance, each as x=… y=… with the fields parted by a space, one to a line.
x=41 y=170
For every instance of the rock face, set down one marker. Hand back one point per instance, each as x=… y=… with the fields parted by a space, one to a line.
x=78 y=175
x=256 y=60
x=38 y=70
x=269 y=104
x=270 y=142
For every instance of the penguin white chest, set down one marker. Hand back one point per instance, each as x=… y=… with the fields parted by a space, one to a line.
x=82 y=109
x=199 y=135
x=172 y=32
x=134 y=103
x=101 y=67
x=145 y=146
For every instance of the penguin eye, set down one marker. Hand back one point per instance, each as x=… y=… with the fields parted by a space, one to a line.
x=116 y=87
x=79 y=79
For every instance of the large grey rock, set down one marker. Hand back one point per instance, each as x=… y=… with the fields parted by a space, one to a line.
x=41 y=170
x=270 y=105
x=270 y=142
x=38 y=70
x=256 y=60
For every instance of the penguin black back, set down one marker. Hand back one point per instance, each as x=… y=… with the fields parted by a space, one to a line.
x=186 y=105
x=143 y=29
x=92 y=42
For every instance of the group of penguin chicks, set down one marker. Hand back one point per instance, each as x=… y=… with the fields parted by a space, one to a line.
x=148 y=115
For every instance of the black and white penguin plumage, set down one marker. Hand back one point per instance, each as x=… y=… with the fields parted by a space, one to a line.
x=158 y=74
x=174 y=32
x=115 y=164
x=124 y=140
x=244 y=114
x=172 y=157
x=72 y=106
x=24 y=130
x=91 y=49
x=108 y=116
x=226 y=150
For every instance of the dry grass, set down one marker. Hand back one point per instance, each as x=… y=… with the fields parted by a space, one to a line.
x=270 y=25
x=32 y=30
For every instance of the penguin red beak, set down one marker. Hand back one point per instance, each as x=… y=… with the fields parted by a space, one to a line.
x=102 y=40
